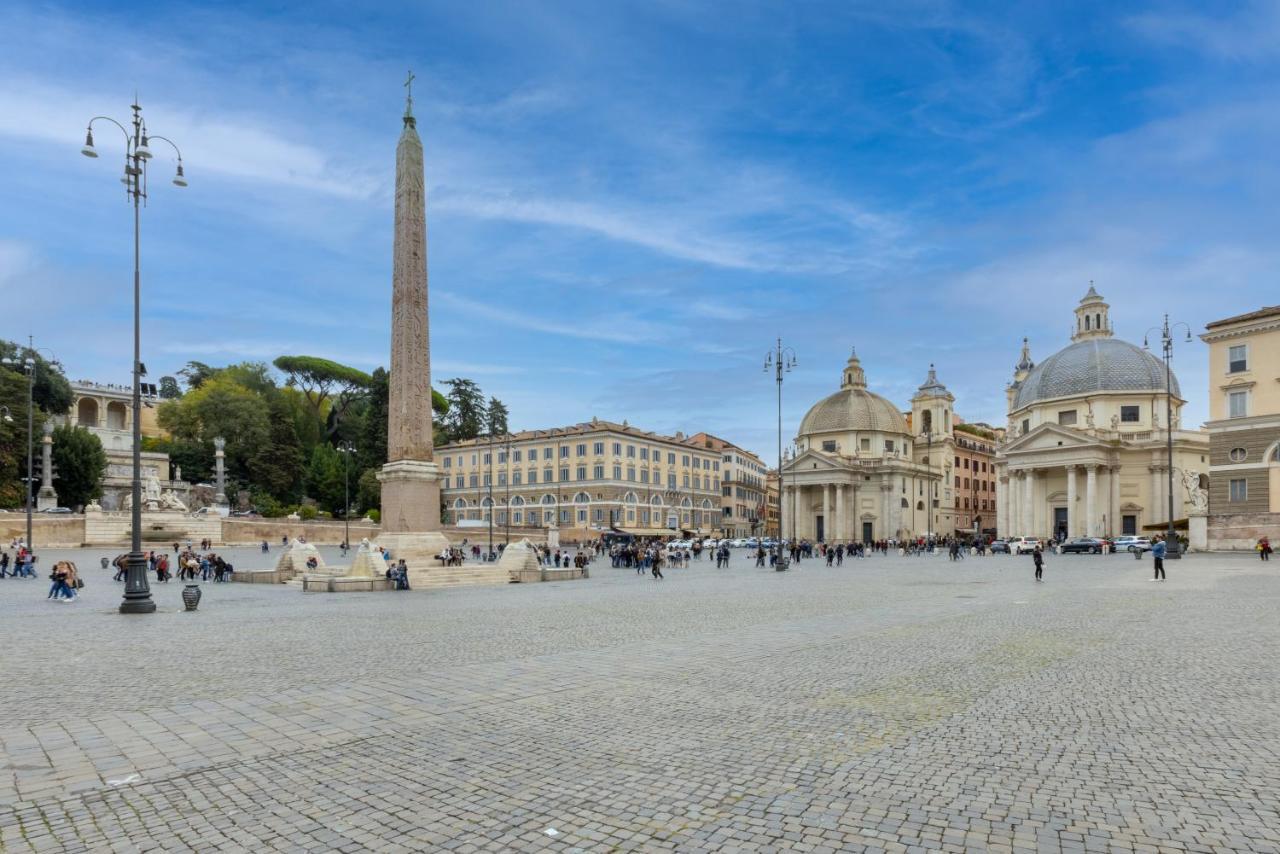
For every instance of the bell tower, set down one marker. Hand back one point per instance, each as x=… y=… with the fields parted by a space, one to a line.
x=932 y=408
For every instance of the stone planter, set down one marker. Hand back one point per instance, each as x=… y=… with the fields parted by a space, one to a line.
x=191 y=596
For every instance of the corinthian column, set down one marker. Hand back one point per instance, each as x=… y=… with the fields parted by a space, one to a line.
x=1090 y=501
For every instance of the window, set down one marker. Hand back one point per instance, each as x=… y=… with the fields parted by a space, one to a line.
x=1130 y=414
x=515 y=478
x=564 y=451
x=617 y=472
x=631 y=473
x=546 y=454
x=547 y=476
x=502 y=478
x=598 y=449
x=487 y=480
x=671 y=459
x=865 y=444
x=582 y=450
x=473 y=481
x=888 y=446
x=564 y=474
x=957 y=462
x=457 y=482
x=581 y=473
x=686 y=480
x=644 y=475
x=631 y=451
x=644 y=453
x=617 y=449
x=671 y=480
x=966 y=463
x=502 y=456
x=488 y=458
x=515 y=456
x=1239 y=490
x=533 y=475
x=1067 y=418
x=1238 y=404
x=1238 y=455
x=473 y=459
x=447 y=461
x=829 y=445
x=684 y=460
x=1237 y=358
x=597 y=472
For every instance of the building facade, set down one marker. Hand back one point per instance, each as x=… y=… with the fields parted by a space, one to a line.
x=585 y=478
x=855 y=474
x=1244 y=429
x=1085 y=448
x=106 y=411
x=973 y=480
x=742 y=487
x=772 y=504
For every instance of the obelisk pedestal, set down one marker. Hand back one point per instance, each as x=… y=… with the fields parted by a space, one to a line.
x=410 y=478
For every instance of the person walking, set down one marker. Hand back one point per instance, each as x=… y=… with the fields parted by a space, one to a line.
x=1038 y=557
x=1158 y=552
x=657 y=565
x=1264 y=552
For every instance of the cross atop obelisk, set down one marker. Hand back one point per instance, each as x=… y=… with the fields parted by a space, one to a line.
x=410 y=488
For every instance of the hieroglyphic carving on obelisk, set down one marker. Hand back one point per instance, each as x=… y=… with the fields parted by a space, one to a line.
x=410 y=491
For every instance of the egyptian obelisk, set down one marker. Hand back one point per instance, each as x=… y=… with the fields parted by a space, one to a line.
x=410 y=479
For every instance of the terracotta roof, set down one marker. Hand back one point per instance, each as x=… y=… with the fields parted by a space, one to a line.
x=1266 y=311
x=582 y=429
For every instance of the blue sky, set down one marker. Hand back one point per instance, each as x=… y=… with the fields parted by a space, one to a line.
x=629 y=201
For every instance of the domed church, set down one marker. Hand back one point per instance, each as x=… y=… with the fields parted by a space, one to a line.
x=859 y=473
x=1085 y=449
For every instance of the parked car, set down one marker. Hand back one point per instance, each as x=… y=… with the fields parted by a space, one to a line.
x=769 y=543
x=55 y=510
x=1023 y=545
x=1082 y=545
x=1132 y=544
x=999 y=547
x=751 y=542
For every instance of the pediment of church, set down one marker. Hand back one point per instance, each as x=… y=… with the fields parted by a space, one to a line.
x=813 y=461
x=1048 y=437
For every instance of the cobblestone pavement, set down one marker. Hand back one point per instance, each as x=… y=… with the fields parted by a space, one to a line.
x=895 y=704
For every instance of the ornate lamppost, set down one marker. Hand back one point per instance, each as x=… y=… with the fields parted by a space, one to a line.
x=346 y=449
x=137 y=593
x=1172 y=549
x=781 y=360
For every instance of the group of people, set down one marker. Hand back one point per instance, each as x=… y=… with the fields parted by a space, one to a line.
x=189 y=562
x=23 y=564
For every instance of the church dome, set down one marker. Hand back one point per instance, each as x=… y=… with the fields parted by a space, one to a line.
x=1091 y=365
x=853 y=408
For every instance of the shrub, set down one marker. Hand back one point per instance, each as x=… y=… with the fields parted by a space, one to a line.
x=307 y=512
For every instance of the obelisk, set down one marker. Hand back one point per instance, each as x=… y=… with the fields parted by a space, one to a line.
x=410 y=479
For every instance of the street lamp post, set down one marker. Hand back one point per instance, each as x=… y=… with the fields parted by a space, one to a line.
x=489 y=555
x=507 y=468
x=346 y=449
x=1172 y=548
x=780 y=360
x=137 y=593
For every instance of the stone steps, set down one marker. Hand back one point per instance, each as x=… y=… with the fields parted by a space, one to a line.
x=457 y=576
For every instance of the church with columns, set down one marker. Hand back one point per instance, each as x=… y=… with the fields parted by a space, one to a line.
x=1085 y=448
x=862 y=471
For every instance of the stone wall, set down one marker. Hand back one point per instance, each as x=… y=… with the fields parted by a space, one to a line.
x=1241 y=531
x=158 y=529
x=240 y=531
x=46 y=530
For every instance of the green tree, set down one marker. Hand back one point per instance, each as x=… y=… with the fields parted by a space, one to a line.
x=169 y=388
x=369 y=490
x=496 y=417
x=277 y=466
x=13 y=438
x=220 y=406
x=467 y=410
x=80 y=463
x=325 y=478
x=373 y=441
x=195 y=374
x=52 y=392
x=323 y=381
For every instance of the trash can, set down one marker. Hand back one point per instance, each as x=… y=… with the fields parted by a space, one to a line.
x=106 y=562
x=1137 y=554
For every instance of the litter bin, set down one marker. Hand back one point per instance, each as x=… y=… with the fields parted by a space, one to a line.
x=106 y=562
x=1137 y=554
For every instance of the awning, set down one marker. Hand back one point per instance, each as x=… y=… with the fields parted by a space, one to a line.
x=1178 y=525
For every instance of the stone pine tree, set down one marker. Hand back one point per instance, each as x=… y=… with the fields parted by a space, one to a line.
x=278 y=465
x=80 y=463
x=169 y=388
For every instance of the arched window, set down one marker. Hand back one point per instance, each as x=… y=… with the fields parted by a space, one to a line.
x=919 y=505
x=706 y=504
x=1086 y=322
x=582 y=498
x=927 y=421
x=630 y=498
x=1097 y=321
x=87 y=412
x=685 y=502
x=486 y=502
x=548 y=499
x=460 y=504
x=656 y=501
x=517 y=501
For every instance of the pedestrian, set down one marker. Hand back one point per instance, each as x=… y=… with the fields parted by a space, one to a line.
x=1158 y=552
x=1264 y=552
x=4 y=563
x=657 y=565
x=1038 y=557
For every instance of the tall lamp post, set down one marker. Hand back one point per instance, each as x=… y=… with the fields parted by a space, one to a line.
x=1172 y=549
x=346 y=449
x=28 y=364
x=506 y=447
x=489 y=554
x=137 y=593
x=781 y=360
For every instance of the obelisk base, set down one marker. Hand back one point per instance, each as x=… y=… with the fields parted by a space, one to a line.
x=410 y=497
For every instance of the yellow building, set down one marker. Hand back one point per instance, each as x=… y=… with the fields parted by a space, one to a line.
x=742 y=487
x=583 y=479
x=1244 y=429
